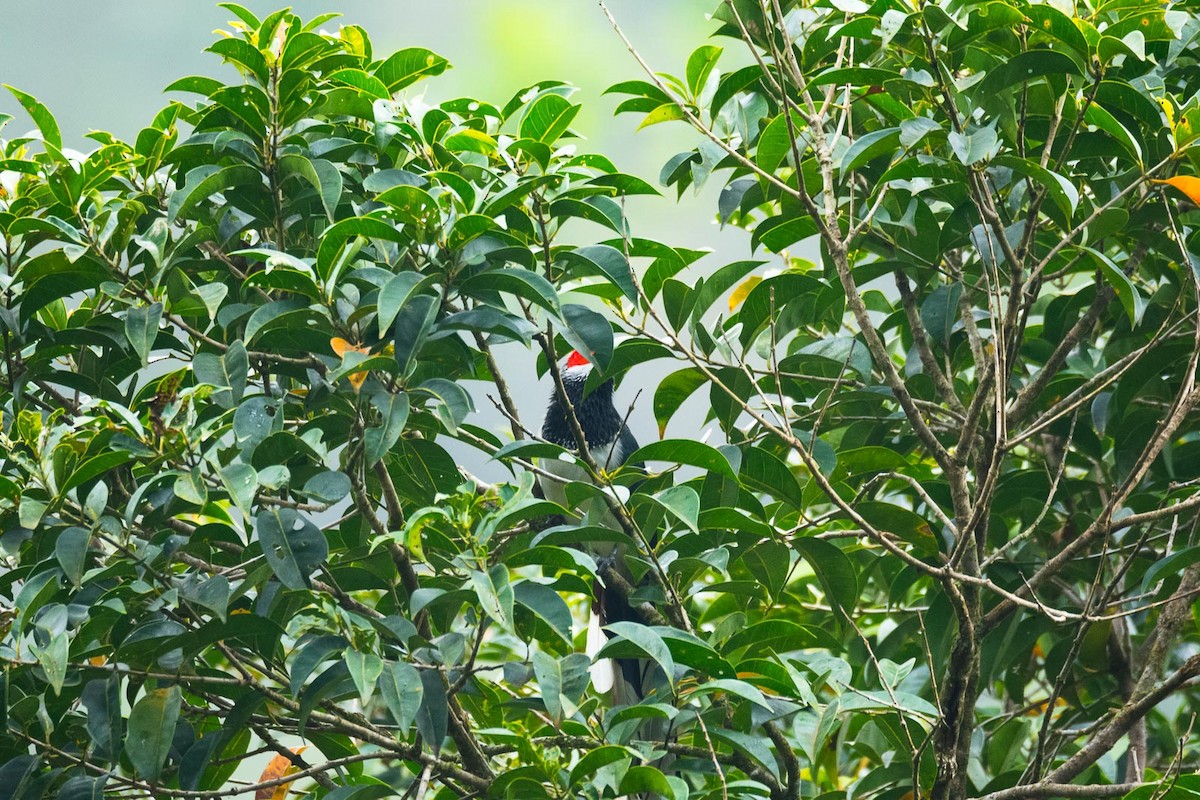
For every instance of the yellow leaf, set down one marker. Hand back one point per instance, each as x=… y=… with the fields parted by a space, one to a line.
x=341 y=347
x=743 y=291
x=280 y=766
x=1168 y=109
x=1188 y=184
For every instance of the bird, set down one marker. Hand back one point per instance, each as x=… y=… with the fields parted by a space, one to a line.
x=610 y=443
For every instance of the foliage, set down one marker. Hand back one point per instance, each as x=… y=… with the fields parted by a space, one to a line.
x=943 y=544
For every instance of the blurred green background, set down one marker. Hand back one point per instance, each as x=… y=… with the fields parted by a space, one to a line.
x=103 y=65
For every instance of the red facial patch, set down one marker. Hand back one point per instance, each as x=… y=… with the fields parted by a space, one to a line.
x=576 y=359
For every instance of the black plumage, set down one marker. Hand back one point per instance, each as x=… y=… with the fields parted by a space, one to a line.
x=610 y=443
x=598 y=417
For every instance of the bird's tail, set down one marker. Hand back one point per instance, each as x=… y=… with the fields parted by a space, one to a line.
x=626 y=680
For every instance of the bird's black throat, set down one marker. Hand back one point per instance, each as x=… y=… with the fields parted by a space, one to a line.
x=598 y=417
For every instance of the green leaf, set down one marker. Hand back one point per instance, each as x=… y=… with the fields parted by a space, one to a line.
x=141 y=328
x=732 y=84
x=241 y=481
x=546 y=604
x=329 y=486
x=869 y=147
x=402 y=691
x=1024 y=67
x=322 y=175
x=196 y=84
x=242 y=54
x=681 y=502
x=412 y=205
x=102 y=701
x=647 y=640
x=454 y=403
x=776 y=636
x=523 y=283
x=212 y=593
x=643 y=780
x=902 y=522
x=293 y=546
x=1169 y=565
x=562 y=681
x=845 y=351
x=939 y=312
x=83 y=787
x=151 y=731
x=673 y=391
x=602 y=259
x=589 y=333
x=975 y=145
x=365 y=83
x=763 y=470
x=41 y=116
x=775 y=143
x=230 y=370
x=666 y=112
x=686 y=451
x=1131 y=299
x=734 y=687
x=70 y=548
x=94 y=467
x=833 y=569
x=915 y=129
x=546 y=120
x=205 y=181
x=433 y=715
x=53 y=660
x=593 y=760
x=335 y=236
x=1061 y=191
x=379 y=439
x=270 y=313
x=413 y=323
x=386 y=179
x=408 y=66
x=365 y=670
x=495 y=594
x=700 y=65
x=395 y=294
x=1100 y=117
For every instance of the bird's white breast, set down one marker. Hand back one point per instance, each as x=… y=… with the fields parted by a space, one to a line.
x=595 y=511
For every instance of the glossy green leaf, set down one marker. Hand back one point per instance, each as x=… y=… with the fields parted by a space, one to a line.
x=408 y=66
x=141 y=328
x=151 y=730
x=547 y=118
x=205 y=181
x=41 y=117
x=402 y=690
x=322 y=175
x=609 y=262
x=292 y=544
x=686 y=451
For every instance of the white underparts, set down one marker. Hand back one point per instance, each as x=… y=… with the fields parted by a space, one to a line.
x=604 y=670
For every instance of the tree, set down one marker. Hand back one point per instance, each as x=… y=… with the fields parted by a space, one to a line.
x=944 y=545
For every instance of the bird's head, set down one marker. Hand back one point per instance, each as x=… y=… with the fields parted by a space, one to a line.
x=594 y=409
x=575 y=374
x=577 y=360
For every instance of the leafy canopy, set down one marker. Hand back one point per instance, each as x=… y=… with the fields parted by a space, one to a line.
x=941 y=543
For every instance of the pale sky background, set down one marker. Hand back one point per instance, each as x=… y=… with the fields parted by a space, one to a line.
x=103 y=64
